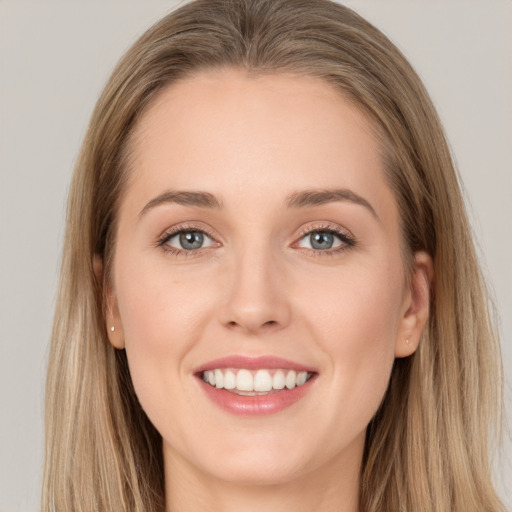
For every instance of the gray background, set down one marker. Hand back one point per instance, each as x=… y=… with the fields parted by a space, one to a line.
x=54 y=59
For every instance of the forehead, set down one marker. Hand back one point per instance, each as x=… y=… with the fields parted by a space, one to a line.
x=233 y=134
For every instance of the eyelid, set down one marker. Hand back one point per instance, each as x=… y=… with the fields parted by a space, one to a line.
x=344 y=235
x=180 y=228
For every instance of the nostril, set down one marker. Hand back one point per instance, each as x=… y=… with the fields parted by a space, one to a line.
x=254 y=320
x=270 y=323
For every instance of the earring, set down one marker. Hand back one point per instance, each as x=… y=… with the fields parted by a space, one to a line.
x=112 y=328
x=406 y=341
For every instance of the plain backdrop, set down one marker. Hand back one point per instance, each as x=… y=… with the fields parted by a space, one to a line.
x=54 y=59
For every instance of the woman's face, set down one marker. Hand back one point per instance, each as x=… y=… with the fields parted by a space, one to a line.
x=257 y=232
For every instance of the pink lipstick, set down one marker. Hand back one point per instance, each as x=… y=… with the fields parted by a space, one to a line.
x=254 y=386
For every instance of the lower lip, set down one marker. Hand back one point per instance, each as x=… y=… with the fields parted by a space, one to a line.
x=258 y=405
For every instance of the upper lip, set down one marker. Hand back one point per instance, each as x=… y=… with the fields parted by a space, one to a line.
x=253 y=363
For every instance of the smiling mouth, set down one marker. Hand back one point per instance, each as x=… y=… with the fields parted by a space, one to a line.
x=246 y=382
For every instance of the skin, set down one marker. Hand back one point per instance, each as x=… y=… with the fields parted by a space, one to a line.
x=257 y=288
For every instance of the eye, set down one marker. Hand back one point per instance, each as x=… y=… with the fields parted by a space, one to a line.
x=187 y=240
x=325 y=239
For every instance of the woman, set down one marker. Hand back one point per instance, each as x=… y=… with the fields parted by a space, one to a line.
x=269 y=294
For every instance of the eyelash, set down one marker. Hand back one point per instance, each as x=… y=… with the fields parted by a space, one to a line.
x=348 y=241
x=167 y=235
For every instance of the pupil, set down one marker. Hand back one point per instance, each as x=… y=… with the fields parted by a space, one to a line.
x=191 y=240
x=321 y=240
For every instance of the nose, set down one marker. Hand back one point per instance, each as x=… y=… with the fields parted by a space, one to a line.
x=256 y=300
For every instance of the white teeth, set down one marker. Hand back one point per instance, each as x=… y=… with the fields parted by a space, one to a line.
x=279 y=380
x=302 y=377
x=229 y=380
x=291 y=379
x=219 y=379
x=244 y=381
x=260 y=382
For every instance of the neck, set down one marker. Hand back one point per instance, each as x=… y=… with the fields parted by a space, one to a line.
x=332 y=487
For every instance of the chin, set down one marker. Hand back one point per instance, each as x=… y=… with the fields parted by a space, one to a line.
x=259 y=463
x=258 y=471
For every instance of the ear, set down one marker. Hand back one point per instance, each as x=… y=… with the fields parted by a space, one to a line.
x=111 y=311
x=416 y=305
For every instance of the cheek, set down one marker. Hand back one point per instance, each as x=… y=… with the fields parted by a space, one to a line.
x=356 y=325
x=161 y=315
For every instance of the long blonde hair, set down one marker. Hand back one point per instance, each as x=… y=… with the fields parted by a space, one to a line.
x=427 y=448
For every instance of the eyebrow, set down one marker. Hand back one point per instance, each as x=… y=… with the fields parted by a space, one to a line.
x=185 y=198
x=316 y=197
x=302 y=199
